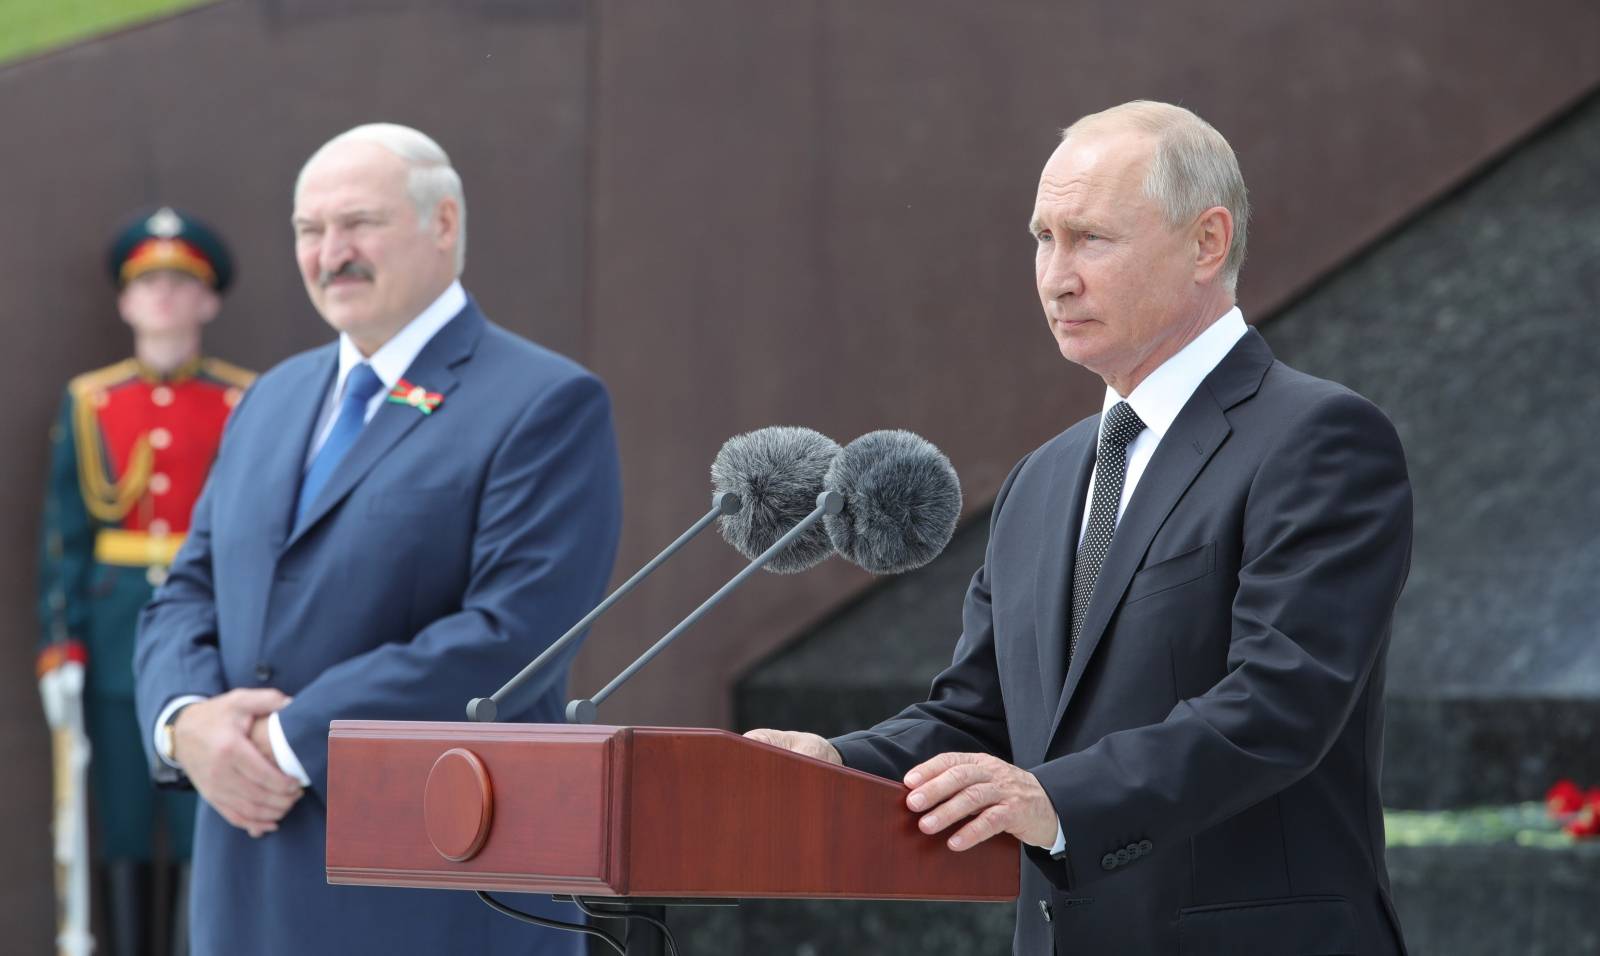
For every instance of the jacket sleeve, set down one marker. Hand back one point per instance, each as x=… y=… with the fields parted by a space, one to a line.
x=66 y=542
x=176 y=651
x=1326 y=549
x=964 y=711
x=547 y=525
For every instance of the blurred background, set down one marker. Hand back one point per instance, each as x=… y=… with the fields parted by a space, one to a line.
x=812 y=213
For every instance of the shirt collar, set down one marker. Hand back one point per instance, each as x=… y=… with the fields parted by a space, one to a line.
x=1161 y=396
x=396 y=355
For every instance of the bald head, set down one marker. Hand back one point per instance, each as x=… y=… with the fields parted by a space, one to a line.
x=1190 y=166
x=429 y=177
x=1132 y=254
x=377 y=221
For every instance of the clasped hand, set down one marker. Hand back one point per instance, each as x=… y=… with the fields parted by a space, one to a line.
x=991 y=795
x=222 y=745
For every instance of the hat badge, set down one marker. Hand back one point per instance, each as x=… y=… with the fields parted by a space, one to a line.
x=165 y=223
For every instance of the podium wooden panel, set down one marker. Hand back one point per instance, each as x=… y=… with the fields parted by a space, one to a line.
x=630 y=811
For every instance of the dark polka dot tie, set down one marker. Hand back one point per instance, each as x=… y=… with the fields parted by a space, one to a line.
x=1120 y=428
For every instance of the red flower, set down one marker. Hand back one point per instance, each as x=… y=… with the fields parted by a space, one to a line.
x=1566 y=797
x=1586 y=823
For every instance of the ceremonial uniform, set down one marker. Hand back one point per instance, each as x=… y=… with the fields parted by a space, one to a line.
x=130 y=451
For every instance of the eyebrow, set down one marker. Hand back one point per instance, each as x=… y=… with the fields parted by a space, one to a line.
x=372 y=213
x=1070 y=224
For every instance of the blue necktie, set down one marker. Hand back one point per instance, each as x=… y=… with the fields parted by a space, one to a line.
x=359 y=388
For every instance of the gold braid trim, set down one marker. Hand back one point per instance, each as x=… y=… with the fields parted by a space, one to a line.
x=106 y=500
x=227 y=373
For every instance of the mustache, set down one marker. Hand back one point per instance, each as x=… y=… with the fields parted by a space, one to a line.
x=350 y=270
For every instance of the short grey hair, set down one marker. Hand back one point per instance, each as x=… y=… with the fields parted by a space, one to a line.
x=430 y=178
x=1192 y=170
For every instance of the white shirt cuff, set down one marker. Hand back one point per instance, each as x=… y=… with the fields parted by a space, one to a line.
x=161 y=721
x=283 y=753
x=1060 y=846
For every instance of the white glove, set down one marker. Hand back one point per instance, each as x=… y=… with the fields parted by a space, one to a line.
x=61 y=689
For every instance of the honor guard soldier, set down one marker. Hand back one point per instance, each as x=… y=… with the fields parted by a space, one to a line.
x=129 y=455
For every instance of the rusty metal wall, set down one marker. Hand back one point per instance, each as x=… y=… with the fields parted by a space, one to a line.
x=739 y=213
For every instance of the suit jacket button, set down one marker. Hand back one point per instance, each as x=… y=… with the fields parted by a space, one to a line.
x=1108 y=862
x=263 y=673
x=1145 y=846
x=1044 y=909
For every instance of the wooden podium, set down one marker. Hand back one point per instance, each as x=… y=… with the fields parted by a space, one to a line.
x=651 y=812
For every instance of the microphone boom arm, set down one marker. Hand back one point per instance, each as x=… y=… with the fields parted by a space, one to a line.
x=583 y=711
x=486 y=709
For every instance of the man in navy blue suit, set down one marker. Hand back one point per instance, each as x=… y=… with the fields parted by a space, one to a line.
x=395 y=522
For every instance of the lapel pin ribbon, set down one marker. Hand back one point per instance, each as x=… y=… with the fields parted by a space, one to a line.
x=424 y=401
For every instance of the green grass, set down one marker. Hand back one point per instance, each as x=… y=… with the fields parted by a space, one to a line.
x=31 y=27
x=1525 y=824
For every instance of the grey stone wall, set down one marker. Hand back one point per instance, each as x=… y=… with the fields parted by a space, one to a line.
x=1477 y=329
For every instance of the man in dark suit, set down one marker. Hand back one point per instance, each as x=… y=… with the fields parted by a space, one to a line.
x=395 y=522
x=1169 y=685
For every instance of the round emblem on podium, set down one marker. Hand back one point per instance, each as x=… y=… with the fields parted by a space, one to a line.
x=458 y=805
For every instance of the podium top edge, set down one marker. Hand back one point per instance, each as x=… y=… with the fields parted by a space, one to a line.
x=466 y=731
x=422 y=729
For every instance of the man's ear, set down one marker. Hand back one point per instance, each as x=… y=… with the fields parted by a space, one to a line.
x=124 y=303
x=210 y=305
x=445 y=223
x=1213 y=234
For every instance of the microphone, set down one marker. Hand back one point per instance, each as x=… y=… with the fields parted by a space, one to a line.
x=901 y=501
x=889 y=502
x=781 y=470
x=777 y=472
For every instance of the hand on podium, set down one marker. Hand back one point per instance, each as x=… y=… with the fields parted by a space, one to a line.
x=998 y=797
x=810 y=745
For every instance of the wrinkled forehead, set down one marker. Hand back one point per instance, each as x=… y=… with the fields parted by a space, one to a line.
x=362 y=173
x=1096 y=166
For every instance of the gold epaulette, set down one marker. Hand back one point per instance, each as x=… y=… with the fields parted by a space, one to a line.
x=227 y=373
x=106 y=500
x=103 y=378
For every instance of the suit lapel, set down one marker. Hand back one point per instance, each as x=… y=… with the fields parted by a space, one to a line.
x=1194 y=437
x=281 y=473
x=432 y=369
x=1069 y=486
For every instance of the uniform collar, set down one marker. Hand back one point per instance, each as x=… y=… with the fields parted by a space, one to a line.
x=152 y=376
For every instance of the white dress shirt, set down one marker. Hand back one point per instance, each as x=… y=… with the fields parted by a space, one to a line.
x=1161 y=396
x=1157 y=401
x=389 y=362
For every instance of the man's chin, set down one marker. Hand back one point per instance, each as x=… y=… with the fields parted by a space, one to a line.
x=1074 y=348
x=166 y=325
x=343 y=316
